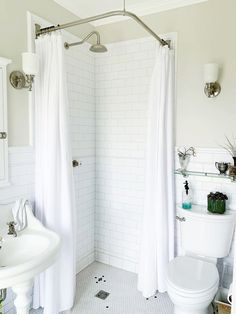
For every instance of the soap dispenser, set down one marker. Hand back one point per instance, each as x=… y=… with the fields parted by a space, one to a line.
x=187 y=196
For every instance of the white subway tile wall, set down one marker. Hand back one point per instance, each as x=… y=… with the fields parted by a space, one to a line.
x=122 y=79
x=81 y=93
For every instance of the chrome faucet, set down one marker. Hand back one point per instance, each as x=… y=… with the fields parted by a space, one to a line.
x=11 y=228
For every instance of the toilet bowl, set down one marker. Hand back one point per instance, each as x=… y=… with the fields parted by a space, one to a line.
x=193 y=279
x=191 y=284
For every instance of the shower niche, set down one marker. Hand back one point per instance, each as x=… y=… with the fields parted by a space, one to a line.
x=3 y=123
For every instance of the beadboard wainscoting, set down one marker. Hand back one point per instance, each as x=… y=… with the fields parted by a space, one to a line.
x=21 y=175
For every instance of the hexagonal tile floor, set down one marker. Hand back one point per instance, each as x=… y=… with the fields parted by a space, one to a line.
x=123 y=295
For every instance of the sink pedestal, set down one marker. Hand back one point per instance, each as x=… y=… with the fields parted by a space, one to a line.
x=23 y=297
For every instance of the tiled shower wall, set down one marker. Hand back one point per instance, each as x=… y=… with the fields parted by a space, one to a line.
x=81 y=92
x=122 y=80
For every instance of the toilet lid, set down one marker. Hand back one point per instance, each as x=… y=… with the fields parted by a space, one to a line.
x=192 y=275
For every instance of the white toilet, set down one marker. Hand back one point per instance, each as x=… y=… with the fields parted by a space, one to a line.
x=193 y=279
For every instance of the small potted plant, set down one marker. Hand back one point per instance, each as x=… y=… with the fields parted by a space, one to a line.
x=184 y=157
x=230 y=146
x=216 y=203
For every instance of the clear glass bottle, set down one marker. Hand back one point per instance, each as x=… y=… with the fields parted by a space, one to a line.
x=187 y=196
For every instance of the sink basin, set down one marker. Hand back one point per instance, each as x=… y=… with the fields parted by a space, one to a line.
x=25 y=256
x=17 y=252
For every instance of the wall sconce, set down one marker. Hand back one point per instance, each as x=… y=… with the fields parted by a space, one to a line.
x=212 y=87
x=30 y=65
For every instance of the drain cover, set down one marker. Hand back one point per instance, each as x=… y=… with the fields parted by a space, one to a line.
x=102 y=295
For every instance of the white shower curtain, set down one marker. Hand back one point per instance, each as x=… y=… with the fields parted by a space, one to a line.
x=54 y=198
x=157 y=247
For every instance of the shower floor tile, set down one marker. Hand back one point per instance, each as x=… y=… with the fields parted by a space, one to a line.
x=123 y=295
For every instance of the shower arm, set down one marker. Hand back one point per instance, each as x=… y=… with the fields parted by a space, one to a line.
x=84 y=40
x=41 y=31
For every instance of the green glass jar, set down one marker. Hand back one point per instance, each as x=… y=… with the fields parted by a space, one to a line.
x=216 y=206
x=216 y=202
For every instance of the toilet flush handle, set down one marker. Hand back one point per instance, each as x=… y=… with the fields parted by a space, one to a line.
x=181 y=219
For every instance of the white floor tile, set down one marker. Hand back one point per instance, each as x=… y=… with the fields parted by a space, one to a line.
x=123 y=299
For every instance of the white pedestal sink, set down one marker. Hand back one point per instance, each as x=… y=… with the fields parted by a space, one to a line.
x=25 y=256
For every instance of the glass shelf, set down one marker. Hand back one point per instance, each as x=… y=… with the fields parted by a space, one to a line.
x=204 y=174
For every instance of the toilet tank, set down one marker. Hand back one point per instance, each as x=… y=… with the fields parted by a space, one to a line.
x=206 y=234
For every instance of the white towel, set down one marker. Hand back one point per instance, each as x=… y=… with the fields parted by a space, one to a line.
x=19 y=214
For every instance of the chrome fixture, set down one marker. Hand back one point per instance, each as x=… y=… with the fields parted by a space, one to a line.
x=102 y=295
x=222 y=167
x=30 y=65
x=98 y=47
x=11 y=228
x=19 y=81
x=3 y=135
x=3 y=294
x=212 y=87
x=181 y=219
x=39 y=31
x=76 y=163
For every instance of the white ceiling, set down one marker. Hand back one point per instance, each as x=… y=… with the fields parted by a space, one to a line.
x=87 y=8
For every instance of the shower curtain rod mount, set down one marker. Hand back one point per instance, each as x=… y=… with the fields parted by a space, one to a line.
x=41 y=31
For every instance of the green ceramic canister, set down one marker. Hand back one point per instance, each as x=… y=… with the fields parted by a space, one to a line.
x=216 y=206
x=216 y=203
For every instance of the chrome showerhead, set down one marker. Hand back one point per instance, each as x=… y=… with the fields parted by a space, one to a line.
x=98 y=48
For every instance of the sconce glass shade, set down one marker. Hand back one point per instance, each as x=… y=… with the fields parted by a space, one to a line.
x=211 y=71
x=30 y=63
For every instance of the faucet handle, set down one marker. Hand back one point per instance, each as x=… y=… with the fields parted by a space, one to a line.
x=11 y=229
x=11 y=223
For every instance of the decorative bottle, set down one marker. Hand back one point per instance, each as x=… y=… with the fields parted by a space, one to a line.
x=186 y=196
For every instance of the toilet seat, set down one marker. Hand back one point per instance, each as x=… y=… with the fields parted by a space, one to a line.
x=192 y=277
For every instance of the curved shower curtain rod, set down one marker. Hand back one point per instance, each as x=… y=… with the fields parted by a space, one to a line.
x=41 y=31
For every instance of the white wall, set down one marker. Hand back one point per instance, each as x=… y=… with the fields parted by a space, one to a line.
x=13 y=34
x=205 y=33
